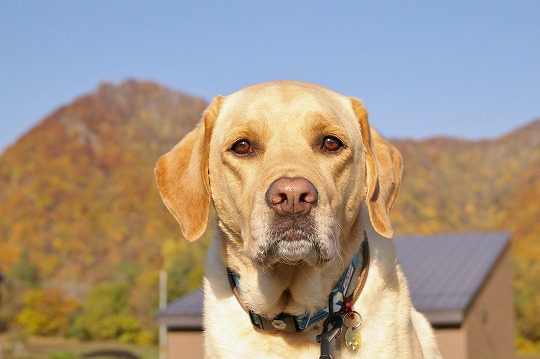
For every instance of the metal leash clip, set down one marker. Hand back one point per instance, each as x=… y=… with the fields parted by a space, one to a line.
x=328 y=335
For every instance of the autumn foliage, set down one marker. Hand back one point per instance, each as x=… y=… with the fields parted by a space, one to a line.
x=47 y=312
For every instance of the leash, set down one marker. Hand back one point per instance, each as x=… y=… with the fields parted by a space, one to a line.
x=328 y=335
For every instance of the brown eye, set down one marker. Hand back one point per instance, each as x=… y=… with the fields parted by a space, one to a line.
x=241 y=147
x=331 y=144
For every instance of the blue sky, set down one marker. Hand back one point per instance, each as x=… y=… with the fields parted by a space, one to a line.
x=468 y=69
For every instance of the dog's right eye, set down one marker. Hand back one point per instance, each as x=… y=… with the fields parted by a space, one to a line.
x=331 y=144
x=242 y=147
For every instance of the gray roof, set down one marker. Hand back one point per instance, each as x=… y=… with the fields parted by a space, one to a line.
x=445 y=272
x=184 y=313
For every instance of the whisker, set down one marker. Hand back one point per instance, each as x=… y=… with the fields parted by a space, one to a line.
x=307 y=277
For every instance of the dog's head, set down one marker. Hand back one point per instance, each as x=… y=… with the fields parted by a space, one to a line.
x=287 y=166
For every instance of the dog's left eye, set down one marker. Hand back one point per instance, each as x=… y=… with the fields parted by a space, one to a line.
x=331 y=144
x=241 y=147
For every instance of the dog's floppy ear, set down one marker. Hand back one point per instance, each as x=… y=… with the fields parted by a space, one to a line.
x=182 y=176
x=383 y=173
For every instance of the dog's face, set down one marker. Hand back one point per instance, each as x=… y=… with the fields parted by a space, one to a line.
x=282 y=157
x=287 y=166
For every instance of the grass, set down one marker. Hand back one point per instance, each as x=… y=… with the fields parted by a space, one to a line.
x=60 y=348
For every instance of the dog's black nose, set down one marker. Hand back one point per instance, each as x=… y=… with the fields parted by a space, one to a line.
x=291 y=196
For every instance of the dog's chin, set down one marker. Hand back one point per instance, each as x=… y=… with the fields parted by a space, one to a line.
x=293 y=252
x=292 y=241
x=294 y=248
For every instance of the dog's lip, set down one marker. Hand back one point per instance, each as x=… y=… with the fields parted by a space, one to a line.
x=293 y=251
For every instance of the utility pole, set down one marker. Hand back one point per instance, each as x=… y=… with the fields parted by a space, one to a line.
x=162 y=306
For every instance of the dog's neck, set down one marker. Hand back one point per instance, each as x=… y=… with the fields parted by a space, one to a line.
x=292 y=316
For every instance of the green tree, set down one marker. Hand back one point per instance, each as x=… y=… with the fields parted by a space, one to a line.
x=106 y=314
x=527 y=301
x=25 y=271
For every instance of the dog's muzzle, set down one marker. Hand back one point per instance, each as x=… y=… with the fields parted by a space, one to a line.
x=293 y=234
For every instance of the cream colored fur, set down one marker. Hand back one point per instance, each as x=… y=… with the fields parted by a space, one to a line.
x=285 y=124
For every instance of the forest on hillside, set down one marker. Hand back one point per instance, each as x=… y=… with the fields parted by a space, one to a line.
x=84 y=233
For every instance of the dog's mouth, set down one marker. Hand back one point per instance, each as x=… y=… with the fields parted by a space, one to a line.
x=293 y=251
x=293 y=240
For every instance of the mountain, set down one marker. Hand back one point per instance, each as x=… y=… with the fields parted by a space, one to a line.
x=80 y=208
x=77 y=191
x=457 y=185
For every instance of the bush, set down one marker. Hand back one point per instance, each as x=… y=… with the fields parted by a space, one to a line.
x=46 y=312
x=106 y=315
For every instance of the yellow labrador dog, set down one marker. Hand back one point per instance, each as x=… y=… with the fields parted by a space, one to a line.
x=301 y=265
